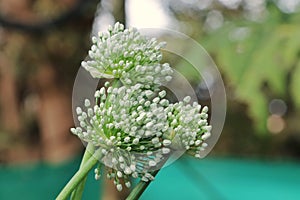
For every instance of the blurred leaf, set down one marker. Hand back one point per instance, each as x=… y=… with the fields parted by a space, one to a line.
x=295 y=85
x=262 y=56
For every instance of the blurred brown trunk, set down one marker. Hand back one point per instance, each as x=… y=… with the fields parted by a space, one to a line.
x=55 y=118
x=21 y=56
x=10 y=118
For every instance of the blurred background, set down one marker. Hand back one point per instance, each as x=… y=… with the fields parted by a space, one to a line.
x=255 y=44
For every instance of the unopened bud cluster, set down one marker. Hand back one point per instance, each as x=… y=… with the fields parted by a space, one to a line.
x=127 y=55
x=133 y=124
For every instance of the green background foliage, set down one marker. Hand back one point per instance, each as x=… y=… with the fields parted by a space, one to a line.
x=260 y=63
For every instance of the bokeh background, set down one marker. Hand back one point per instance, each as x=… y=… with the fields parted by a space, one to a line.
x=255 y=44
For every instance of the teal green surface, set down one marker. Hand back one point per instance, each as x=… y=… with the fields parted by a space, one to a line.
x=187 y=178
x=226 y=179
x=41 y=181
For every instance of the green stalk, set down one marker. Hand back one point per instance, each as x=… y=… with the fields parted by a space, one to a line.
x=79 y=176
x=140 y=188
x=77 y=193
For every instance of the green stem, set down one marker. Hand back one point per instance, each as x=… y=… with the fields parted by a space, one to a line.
x=140 y=188
x=77 y=193
x=79 y=176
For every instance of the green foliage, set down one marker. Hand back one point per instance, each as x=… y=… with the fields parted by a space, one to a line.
x=295 y=85
x=256 y=59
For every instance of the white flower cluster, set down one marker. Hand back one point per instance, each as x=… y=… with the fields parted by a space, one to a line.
x=189 y=126
x=128 y=124
x=136 y=129
x=150 y=76
x=127 y=55
x=133 y=125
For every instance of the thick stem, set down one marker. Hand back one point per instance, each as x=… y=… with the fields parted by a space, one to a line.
x=79 y=176
x=77 y=193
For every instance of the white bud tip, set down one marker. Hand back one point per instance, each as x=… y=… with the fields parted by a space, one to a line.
x=208 y=128
x=167 y=142
x=73 y=130
x=205 y=109
x=205 y=136
x=97 y=94
x=119 y=187
x=97 y=176
x=87 y=103
x=187 y=99
x=165 y=150
x=128 y=184
x=119 y=174
x=152 y=163
x=78 y=110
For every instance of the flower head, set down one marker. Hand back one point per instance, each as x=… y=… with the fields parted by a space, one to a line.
x=133 y=124
x=118 y=53
x=137 y=129
x=128 y=124
x=189 y=127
